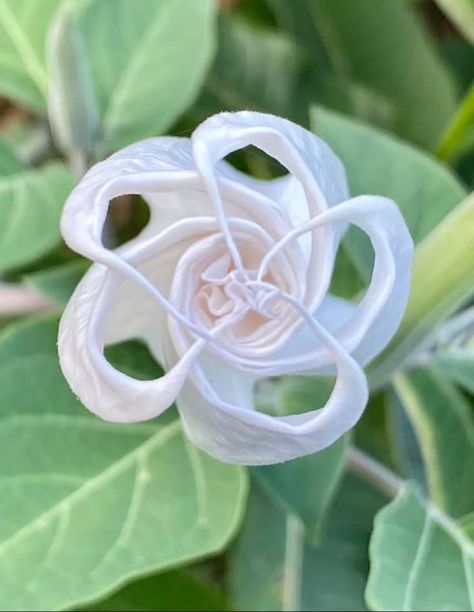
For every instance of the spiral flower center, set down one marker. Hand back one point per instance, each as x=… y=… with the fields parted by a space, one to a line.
x=225 y=291
x=242 y=302
x=237 y=291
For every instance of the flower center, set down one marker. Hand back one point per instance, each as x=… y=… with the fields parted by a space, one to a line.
x=224 y=291
x=213 y=292
x=238 y=291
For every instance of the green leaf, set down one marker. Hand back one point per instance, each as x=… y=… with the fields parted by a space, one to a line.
x=420 y=558
x=58 y=283
x=255 y=68
x=133 y=358
x=306 y=486
x=461 y=12
x=442 y=421
x=373 y=44
x=440 y=284
x=377 y=163
x=275 y=568
x=86 y=505
x=358 y=101
x=72 y=107
x=9 y=161
x=31 y=201
x=173 y=590
x=147 y=60
x=370 y=433
x=457 y=364
x=23 y=29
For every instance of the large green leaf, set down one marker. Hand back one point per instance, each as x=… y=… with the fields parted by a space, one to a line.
x=306 y=486
x=442 y=421
x=86 y=505
x=303 y=487
x=373 y=44
x=23 y=29
x=173 y=590
x=275 y=568
x=148 y=60
x=420 y=558
x=72 y=105
x=31 y=200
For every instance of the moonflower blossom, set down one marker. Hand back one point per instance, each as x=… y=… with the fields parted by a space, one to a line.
x=228 y=284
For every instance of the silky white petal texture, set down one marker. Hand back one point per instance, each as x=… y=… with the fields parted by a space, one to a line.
x=233 y=432
x=309 y=160
x=366 y=328
x=100 y=386
x=228 y=284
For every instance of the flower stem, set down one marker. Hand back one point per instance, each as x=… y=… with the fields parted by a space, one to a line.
x=374 y=472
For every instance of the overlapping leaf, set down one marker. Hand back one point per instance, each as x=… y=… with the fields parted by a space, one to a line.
x=31 y=201
x=420 y=558
x=276 y=568
x=85 y=505
x=442 y=421
x=24 y=25
x=174 y=590
x=147 y=62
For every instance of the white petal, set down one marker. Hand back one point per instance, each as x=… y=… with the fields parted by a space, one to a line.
x=133 y=170
x=376 y=318
x=224 y=424
x=309 y=160
x=162 y=170
x=155 y=166
x=104 y=390
x=227 y=132
x=286 y=192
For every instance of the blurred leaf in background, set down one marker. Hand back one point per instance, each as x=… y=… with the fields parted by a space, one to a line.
x=31 y=200
x=24 y=25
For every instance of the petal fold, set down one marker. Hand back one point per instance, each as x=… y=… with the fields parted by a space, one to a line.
x=107 y=392
x=310 y=161
x=231 y=430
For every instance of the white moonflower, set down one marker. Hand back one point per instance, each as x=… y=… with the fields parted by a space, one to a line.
x=228 y=284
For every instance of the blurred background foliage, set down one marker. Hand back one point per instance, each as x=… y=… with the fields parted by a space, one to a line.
x=103 y=517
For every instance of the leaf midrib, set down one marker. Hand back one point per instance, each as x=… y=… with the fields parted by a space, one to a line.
x=26 y=52
x=161 y=437
x=116 y=99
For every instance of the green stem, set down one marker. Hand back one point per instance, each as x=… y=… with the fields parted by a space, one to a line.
x=374 y=472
